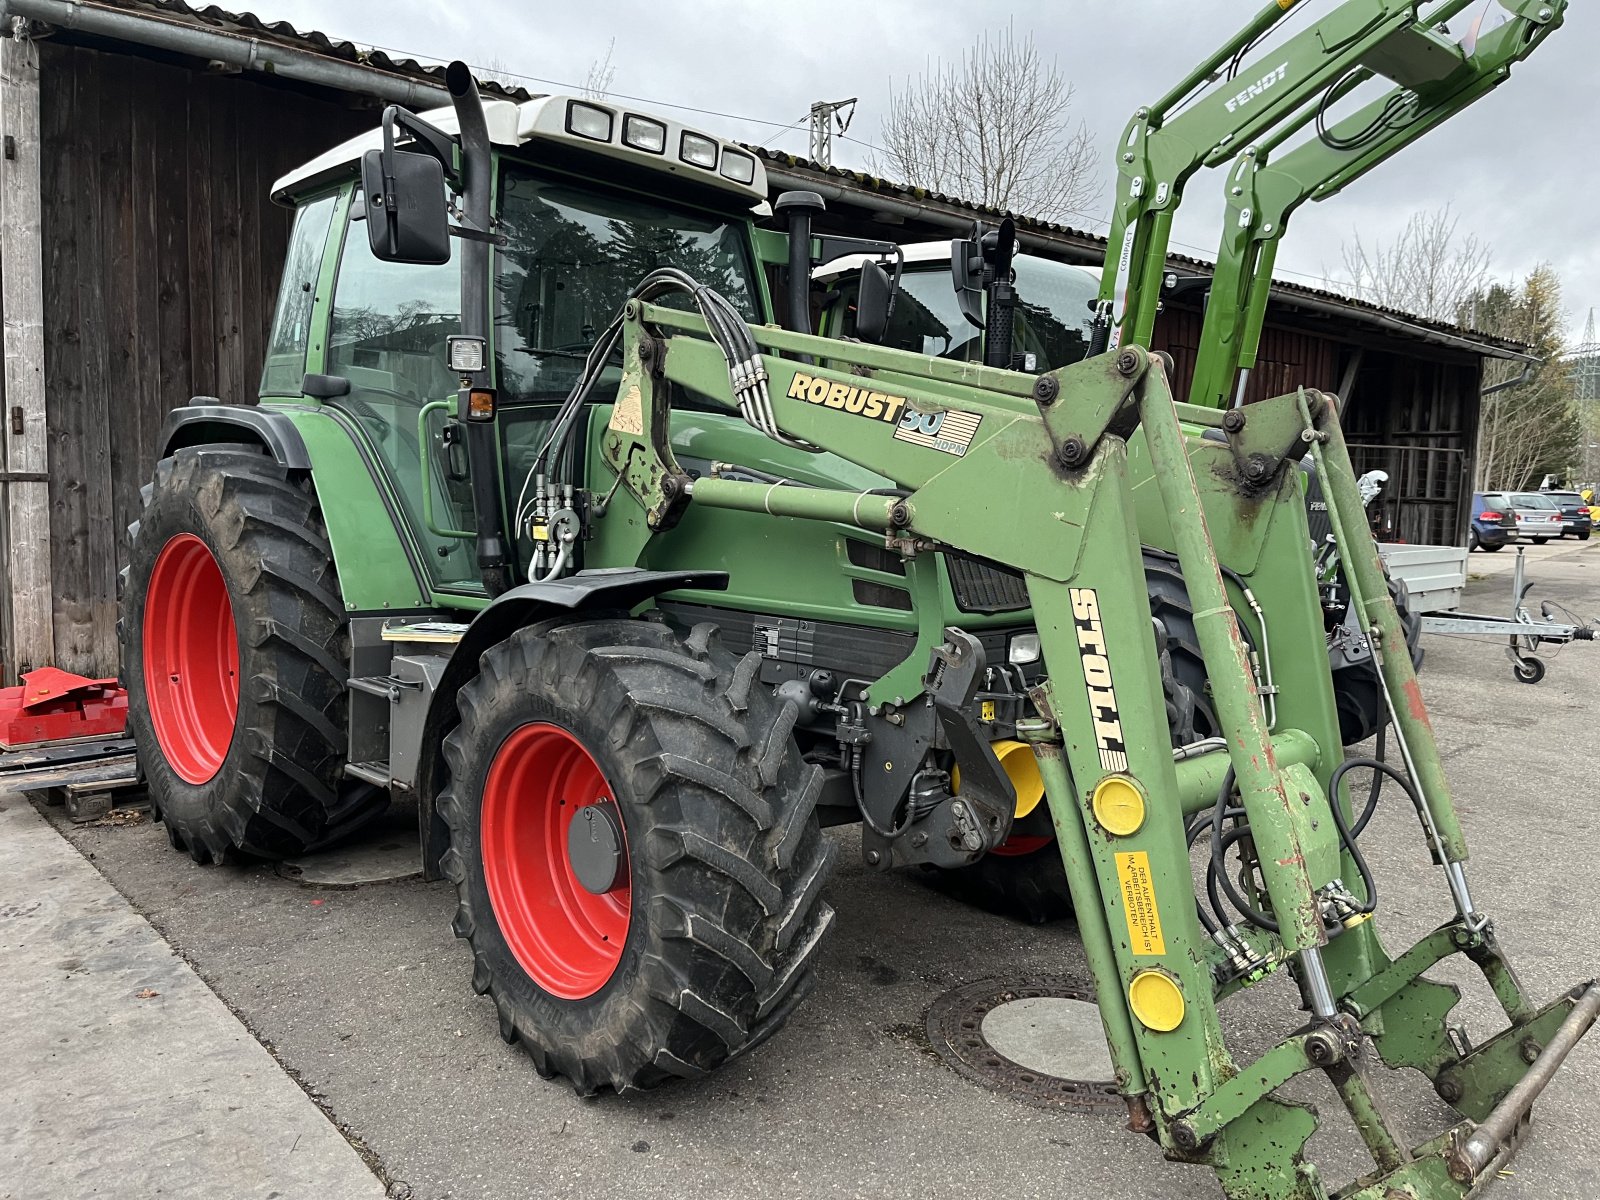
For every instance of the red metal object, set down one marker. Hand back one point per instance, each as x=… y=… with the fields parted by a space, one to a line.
x=191 y=659
x=568 y=939
x=1021 y=843
x=52 y=705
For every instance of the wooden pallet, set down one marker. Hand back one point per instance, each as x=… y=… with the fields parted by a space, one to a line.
x=84 y=776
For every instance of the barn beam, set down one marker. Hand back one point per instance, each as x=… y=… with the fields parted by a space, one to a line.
x=24 y=441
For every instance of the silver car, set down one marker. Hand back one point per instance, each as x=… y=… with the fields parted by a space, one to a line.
x=1538 y=516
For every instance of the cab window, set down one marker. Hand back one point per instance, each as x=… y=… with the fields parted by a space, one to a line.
x=285 y=366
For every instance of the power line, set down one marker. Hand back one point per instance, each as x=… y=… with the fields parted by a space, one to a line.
x=578 y=87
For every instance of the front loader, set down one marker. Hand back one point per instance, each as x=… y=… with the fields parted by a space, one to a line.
x=542 y=527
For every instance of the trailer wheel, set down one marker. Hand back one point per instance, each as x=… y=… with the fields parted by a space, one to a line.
x=635 y=850
x=1529 y=670
x=1024 y=876
x=233 y=643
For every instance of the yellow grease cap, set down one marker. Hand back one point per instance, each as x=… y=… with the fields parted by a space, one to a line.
x=1118 y=805
x=1156 y=1001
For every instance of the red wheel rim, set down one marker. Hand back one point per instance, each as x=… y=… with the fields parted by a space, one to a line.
x=191 y=659
x=568 y=939
x=1021 y=843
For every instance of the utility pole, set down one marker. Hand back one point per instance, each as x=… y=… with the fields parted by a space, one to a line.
x=825 y=114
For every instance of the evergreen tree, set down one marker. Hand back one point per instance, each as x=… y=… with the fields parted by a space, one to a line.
x=1531 y=430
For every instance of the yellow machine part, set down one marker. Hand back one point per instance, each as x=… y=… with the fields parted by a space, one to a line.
x=1021 y=767
x=1156 y=1001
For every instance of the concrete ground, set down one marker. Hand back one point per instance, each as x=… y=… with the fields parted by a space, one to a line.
x=124 y=1074
x=363 y=994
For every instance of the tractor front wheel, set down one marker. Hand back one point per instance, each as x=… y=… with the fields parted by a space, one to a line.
x=635 y=850
x=233 y=645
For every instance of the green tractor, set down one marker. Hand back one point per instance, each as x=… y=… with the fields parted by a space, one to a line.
x=544 y=525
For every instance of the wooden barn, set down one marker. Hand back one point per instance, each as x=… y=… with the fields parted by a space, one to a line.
x=139 y=256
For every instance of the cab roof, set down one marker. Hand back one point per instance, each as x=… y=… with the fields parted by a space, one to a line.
x=608 y=132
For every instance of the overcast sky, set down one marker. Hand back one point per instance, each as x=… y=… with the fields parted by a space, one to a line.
x=1519 y=167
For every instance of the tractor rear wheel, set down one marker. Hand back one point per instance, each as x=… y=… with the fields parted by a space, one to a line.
x=1024 y=876
x=233 y=644
x=1356 y=695
x=635 y=850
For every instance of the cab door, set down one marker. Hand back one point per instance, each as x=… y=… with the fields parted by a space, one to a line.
x=386 y=340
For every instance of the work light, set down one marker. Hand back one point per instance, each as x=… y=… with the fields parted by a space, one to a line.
x=698 y=151
x=740 y=168
x=644 y=134
x=589 y=121
x=466 y=354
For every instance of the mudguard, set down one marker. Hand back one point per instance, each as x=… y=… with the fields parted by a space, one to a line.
x=616 y=589
x=379 y=571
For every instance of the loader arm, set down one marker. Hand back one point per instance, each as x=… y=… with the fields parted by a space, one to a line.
x=1264 y=188
x=1225 y=104
x=1041 y=475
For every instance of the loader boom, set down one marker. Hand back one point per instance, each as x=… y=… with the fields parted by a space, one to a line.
x=1264 y=189
x=1064 y=479
x=1226 y=104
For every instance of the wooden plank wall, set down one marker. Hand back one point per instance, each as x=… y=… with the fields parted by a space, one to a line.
x=1287 y=358
x=24 y=438
x=1417 y=419
x=161 y=258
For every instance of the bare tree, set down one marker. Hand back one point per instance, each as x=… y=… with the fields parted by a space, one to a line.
x=597 y=82
x=993 y=128
x=496 y=71
x=1428 y=270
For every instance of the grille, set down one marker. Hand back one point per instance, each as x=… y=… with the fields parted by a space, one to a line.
x=873 y=557
x=981 y=586
x=878 y=595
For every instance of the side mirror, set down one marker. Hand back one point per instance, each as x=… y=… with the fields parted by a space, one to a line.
x=874 y=298
x=406 y=217
x=966 y=273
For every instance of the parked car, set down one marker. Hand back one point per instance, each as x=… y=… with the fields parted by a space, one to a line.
x=1538 y=516
x=1494 y=521
x=1577 y=518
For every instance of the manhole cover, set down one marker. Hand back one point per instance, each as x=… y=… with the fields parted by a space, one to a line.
x=1038 y=1041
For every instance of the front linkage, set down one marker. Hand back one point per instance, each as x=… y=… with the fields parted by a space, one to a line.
x=1065 y=484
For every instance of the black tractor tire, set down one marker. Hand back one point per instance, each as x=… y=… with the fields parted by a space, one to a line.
x=722 y=857
x=247 y=598
x=1030 y=882
x=1356 y=695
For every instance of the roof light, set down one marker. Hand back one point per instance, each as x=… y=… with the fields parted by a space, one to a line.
x=740 y=168
x=644 y=134
x=698 y=151
x=588 y=121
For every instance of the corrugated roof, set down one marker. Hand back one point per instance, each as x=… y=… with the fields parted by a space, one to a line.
x=282 y=33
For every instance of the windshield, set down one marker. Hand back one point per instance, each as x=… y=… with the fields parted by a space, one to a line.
x=570 y=259
x=1533 y=500
x=1052 y=322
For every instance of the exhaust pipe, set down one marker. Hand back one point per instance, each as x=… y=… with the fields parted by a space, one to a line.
x=477 y=164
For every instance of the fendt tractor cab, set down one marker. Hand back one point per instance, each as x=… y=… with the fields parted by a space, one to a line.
x=545 y=525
